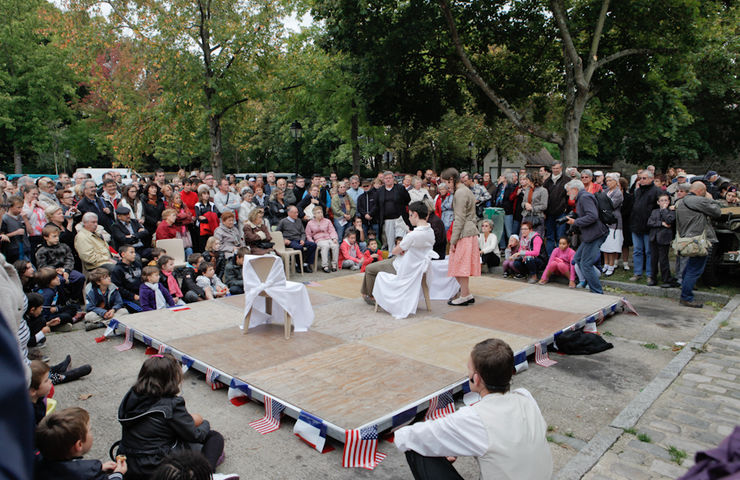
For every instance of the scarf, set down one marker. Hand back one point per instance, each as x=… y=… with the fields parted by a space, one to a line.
x=172 y=285
x=159 y=298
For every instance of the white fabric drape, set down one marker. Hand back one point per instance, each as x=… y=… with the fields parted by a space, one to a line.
x=441 y=287
x=286 y=296
x=399 y=294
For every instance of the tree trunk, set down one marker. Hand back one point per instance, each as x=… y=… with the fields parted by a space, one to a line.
x=17 y=160
x=214 y=133
x=354 y=133
x=572 y=123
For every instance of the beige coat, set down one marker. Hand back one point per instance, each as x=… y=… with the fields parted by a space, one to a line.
x=92 y=249
x=465 y=223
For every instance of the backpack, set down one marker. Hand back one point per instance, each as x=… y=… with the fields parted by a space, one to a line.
x=606 y=208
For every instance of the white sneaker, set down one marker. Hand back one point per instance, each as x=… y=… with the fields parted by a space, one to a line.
x=626 y=265
x=225 y=476
x=604 y=268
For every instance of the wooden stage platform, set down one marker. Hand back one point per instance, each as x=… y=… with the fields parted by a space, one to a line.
x=358 y=368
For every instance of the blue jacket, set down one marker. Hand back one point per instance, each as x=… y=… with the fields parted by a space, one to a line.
x=587 y=209
x=51 y=297
x=75 y=469
x=99 y=302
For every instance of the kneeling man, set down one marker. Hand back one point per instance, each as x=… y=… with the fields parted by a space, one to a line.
x=505 y=430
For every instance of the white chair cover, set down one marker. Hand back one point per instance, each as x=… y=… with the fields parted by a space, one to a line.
x=286 y=296
x=441 y=287
x=399 y=294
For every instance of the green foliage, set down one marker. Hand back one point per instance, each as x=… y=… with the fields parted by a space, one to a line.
x=676 y=454
x=644 y=437
x=650 y=346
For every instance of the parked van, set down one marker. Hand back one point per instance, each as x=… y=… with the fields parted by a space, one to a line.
x=97 y=173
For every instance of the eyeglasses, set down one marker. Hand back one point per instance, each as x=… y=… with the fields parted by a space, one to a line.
x=2 y=179
x=644 y=178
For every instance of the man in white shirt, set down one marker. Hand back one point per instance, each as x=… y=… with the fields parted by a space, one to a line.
x=505 y=430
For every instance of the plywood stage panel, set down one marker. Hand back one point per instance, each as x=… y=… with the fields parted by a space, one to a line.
x=346 y=286
x=525 y=320
x=565 y=299
x=494 y=287
x=441 y=343
x=347 y=383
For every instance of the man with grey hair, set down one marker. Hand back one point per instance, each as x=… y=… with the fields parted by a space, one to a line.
x=91 y=202
x=645 y=201
x=557 y=205
x=593 y=233
x=391 y=202
x=354 y=191
x=479 y=192
x=91 y=247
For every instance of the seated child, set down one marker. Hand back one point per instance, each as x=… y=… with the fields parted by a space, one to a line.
x=102 y=300
x=560 y=263
x=215 y=256
x=233 y=276
x=208 y=280
x=57 y=255
x=148 y=436
x=27 y=274
x=47 y=284
x=372 y=254
x=166 y=266
x=40 y=388
x=192 y=292
x=511 y=248
x=186 y=465
x=152 y=294
x=63 y=438
x=361 y=239
x=38 y=326
x=156 y=253
x=349 y=252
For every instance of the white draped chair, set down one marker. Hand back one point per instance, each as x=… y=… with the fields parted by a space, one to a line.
x=441 y=287
x=400 y=294
x=268 y=295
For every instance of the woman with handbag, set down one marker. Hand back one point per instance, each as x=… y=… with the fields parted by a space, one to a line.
x=256 y=235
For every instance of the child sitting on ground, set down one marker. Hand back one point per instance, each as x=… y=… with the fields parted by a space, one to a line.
x=215 y=256
x=349 y=252
x=511 y=248
x=40 y=388
x=156 y=253
x=103 y=300
x=48 y=283
x=54 y=254
x=372 y=254
x=233 y=276
x=148 y=436
x=27 y=274
x=62 y=438
x=208 y=280
x=152 y=294
x=561 y=263
x=191 y=290
x=166 y=266
x=38 y=326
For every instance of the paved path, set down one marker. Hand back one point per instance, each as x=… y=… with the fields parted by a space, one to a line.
x=694 y=413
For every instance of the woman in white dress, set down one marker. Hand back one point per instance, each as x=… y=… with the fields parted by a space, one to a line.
x=612 y=246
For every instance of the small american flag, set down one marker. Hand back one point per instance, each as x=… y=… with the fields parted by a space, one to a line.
x=540 y=355
x=128 y=341
x=211 y=376
x=440 y=406
x=361 y=448
x=162 y=349
x=271 y=421
x=600 y=318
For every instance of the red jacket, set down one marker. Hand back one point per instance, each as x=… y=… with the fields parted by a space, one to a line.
x=368 y=259
x=166 y=231
x=349 y=252
x=189 y=199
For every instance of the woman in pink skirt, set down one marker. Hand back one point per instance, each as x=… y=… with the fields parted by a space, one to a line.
x=464 y=259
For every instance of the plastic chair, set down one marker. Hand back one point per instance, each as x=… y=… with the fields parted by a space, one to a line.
x=262 y=266
x=174 y=248
x=287 y=254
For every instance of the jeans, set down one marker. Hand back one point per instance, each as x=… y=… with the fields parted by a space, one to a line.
x=340 y=228
x=694 y=269
x=641 y=253
x=587 y=255
x=680 y=267
x=554 y=231
x=508 y=231
x=309 y=250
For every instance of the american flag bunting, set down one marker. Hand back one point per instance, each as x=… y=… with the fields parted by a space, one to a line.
x=361 y=448
x=440 y=406
x=540 y=355
x=271 y=421
x=238 y=392
x=211 y=376
x=128 y=341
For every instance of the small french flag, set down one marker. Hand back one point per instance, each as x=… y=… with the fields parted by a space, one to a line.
x=179 y=308
x=238 y=392
x=311 y=430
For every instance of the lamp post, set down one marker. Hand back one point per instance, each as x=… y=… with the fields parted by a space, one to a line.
x=473 y=166
x=296 y=130
x=66 y=161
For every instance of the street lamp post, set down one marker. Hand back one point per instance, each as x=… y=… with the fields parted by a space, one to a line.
x=66 y=161
x=473 y=166
x=296 y=130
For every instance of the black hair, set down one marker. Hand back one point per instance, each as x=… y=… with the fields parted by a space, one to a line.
x=159 y=376
x=420 y=208
x=183 y=465
x=35 y=300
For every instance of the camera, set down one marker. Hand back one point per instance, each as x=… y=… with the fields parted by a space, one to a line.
x=564 y=219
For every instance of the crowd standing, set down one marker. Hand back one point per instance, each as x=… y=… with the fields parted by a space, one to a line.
x=84 y=252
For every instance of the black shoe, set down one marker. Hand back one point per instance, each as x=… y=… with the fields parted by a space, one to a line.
x=94 y=326
x=519 y=275
x=686 y=303
x=456 y=302
x=506 y=274
x=308 y=269
x=61 y=367
x=673 y=284
x=651 y=283
x=74 y=374
x=326 y=269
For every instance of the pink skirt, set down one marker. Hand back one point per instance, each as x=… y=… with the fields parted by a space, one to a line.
x=465 y=262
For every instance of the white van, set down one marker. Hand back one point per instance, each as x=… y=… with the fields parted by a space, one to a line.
x=97 y=173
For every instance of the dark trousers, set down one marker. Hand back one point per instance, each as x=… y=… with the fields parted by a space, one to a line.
x=431 y=468
x=529 y=264
x=659 y=258
x=694 y=269
x=490 y=259
x=554 y=231
x=309 y=250
x=213 y=447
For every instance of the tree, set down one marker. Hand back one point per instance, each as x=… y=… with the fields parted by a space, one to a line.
x=36 y=85
x=618 y=34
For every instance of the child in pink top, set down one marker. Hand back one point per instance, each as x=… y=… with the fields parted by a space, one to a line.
x=560 y=263
x=349 y=252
